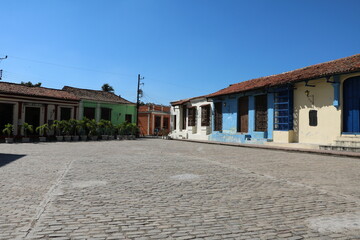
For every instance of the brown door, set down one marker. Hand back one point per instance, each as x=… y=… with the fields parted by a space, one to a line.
x=261 y=113
x=243 y=119
x=218 y=117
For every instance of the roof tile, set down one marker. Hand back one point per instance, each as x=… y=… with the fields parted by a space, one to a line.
x=342 y=65
x=18 y=89
x=96 y=95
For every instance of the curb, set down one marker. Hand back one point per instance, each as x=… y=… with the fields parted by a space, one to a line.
x=276 y=148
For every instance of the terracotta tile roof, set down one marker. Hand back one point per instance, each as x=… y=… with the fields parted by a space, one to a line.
x=342 y=65
x=18 y=89
x=96 y=95
x=179 y=102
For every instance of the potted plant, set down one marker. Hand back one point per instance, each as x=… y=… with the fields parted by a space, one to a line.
x=75 y=128
x=27 y=128
x=58 y=128
x=83 y=128
x=103 y=125
x=111 y=130
x=133 y=129
x=42 y=130
x=92 y=126
x=122 y=129
x=67 y=130
x=8 y=130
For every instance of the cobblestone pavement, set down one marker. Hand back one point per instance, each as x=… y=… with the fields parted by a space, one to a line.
x=158 y=189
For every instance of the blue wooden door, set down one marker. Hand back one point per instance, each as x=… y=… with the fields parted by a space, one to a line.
x=351 y=114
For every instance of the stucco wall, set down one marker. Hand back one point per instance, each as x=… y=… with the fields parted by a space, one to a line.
x=191 y=132
x=230 y=120
x=118 y=111
x=320 y=98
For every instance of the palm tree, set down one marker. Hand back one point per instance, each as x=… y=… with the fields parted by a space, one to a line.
x=107 y=88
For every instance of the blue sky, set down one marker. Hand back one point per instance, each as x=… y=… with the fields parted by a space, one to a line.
x=183 y=48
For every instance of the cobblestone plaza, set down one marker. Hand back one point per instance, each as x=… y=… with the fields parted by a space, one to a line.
x=162 y=189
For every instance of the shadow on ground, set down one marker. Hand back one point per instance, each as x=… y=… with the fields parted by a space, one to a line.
x=8 y=158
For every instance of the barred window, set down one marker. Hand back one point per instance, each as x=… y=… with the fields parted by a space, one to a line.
x=192 y=116
x=205 y=115
x=283 y=109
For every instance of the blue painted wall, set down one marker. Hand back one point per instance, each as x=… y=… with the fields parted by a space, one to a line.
x=229 y=123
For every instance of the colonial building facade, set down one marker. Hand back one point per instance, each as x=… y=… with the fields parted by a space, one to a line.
x=98 y=105
x=154 y=119
x=191 y=119
x=34 y=105
x=319 y=104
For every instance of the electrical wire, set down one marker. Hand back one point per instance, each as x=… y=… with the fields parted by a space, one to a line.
x=68 y=66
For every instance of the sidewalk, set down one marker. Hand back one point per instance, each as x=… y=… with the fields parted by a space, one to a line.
x=301 y=148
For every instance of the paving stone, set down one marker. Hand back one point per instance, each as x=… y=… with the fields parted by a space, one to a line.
x=127 y=190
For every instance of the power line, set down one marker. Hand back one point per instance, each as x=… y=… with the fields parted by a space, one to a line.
x=68 y=66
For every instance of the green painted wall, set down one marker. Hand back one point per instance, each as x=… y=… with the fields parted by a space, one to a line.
x=118 y=111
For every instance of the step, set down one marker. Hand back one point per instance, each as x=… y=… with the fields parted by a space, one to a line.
x=351 y=138
x=347 y=143
x=339 y=148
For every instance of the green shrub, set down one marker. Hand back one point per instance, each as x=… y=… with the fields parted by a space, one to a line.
x=8 y=130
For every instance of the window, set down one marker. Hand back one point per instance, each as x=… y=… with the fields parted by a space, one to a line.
x=261 y=113
x=313 y=118
x=89 y=112
x=184 y=117
x=65 y=113
x=157 y=122
x=205 y=115
x=192 y=116
x=283 y=110
x=166 y=123
x=128 y=118
x=174 y=121
x=218 y=117
x=106 y=114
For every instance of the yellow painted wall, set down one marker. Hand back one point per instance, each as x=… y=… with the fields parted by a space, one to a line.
x=283 y=136
x=320 y=98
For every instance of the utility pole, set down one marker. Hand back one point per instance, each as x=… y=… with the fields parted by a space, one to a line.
x=1 y=71
x=138 y=99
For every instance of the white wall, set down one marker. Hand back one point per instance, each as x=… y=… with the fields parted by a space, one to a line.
x=196 y=132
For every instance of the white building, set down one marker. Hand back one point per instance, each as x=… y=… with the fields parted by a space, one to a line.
x=191 y=119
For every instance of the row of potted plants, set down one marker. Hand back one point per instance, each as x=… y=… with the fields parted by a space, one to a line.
x=76 y=130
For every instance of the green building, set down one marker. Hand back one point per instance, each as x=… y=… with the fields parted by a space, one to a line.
x=98 y=105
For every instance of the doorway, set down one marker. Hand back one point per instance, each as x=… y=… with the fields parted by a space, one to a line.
x=243 y=115
x=32 y=116
x=6 y=115
x=351 y=114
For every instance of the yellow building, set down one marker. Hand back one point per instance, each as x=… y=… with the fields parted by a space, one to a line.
x=326 y=104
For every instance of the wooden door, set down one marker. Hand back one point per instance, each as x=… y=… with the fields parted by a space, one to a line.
x=261 y=113
x=243 y=117
x=218 y=117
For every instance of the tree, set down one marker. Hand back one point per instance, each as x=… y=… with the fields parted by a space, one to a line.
x=107 y=88
x=30 y=84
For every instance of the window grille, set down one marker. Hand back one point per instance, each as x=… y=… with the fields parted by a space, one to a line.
x=205 y=115
x=192 y=116
x=283 y=110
